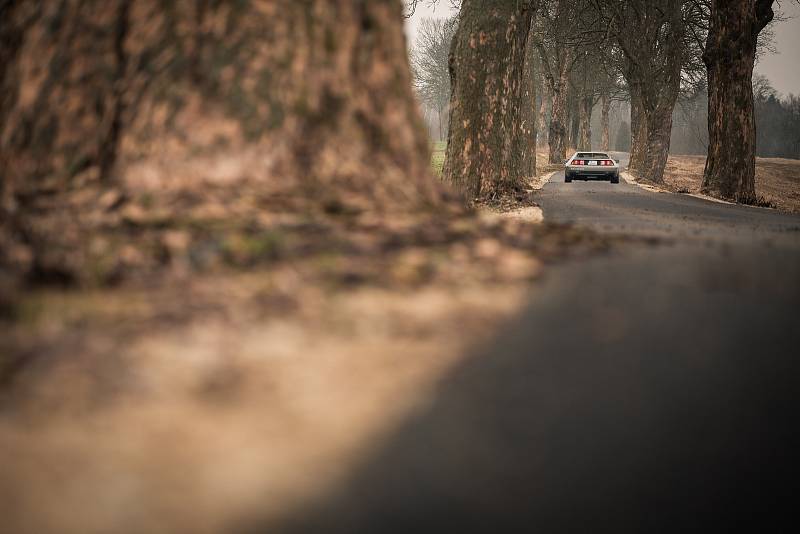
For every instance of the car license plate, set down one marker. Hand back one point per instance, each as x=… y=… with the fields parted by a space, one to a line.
x=592 y=163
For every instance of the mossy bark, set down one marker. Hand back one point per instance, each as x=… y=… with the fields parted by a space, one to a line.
x=729 y=58
x=488 y=147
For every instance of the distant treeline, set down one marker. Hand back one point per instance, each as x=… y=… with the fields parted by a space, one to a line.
x=777 y=123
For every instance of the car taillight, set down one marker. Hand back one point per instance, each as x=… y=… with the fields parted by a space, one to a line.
x=608 y=163
x=577 y=162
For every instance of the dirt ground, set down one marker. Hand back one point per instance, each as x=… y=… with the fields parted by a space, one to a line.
x=207 y=373
x=262 y=396
x=777 y=180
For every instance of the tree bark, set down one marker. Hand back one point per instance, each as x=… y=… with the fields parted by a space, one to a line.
x=638 y=132
x=585 y=107
x=541 y=118
x=528 y=106
x=12 y=28
x=659 y=130
x=575 y=123
x=729 y=58
x=309 y=101
x=557 y=135
x=654 y=55
x=605 y=103
x=487 y=146
x=97 y=89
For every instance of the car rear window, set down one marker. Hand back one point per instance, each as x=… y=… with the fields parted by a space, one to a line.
x=592 y=155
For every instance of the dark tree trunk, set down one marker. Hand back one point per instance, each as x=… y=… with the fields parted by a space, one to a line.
x=638 y=132
x=729 y=58
x=585 y=108
x=528 y=107
x=605 y=103
x=654 y=58
x=559 y=115
x=659 y=130
x=487 y=147
x=575 y=122
x=541 y=118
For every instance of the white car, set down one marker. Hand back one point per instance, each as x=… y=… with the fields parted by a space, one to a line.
x=594 y=165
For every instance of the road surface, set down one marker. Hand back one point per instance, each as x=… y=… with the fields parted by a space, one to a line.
x=650 y=390
x=629 y=209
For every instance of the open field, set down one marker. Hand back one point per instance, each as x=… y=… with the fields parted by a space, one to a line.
x=777 y=180
x=437 y=156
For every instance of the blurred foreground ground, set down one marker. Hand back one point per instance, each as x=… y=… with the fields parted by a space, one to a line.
x=198 y=373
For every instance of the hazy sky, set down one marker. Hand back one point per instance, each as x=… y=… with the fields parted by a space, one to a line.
x=783 y=68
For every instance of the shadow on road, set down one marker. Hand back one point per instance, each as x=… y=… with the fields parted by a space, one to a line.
x=651 y=393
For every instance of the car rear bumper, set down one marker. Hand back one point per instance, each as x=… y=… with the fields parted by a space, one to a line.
x=587 y=173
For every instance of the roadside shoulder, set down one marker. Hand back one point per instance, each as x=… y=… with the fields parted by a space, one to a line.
x=629 y=178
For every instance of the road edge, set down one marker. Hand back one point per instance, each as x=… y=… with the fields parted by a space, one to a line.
x=628 y=177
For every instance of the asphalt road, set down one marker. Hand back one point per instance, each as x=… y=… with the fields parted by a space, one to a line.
x=654 y=389
x=629 y=209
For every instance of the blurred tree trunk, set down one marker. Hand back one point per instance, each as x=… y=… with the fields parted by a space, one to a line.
x=729 y=57
x=10 y=40
x=310 y=99
x=574 y=120
x=487 y=146
x=528 y=107
x=638 y=132
x=541 y=118
x=559 y=116
x=585 y=108
x=91 y=87
x=605 y=103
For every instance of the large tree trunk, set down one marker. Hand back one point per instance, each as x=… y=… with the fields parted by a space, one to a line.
x=638 y=132
x=311 y=96
x=528 y=107
x=10 y=41
x=574 y=122
x=559 y=115
x=585 y=107
x=659 y=130
x=541 y=118
x=339 y=86
x=605 y=103
x=654 y=58
x=487 y=147
x=729 y=58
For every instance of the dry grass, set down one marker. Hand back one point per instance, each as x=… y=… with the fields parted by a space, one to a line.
x=437 y=156
x=777 y=180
